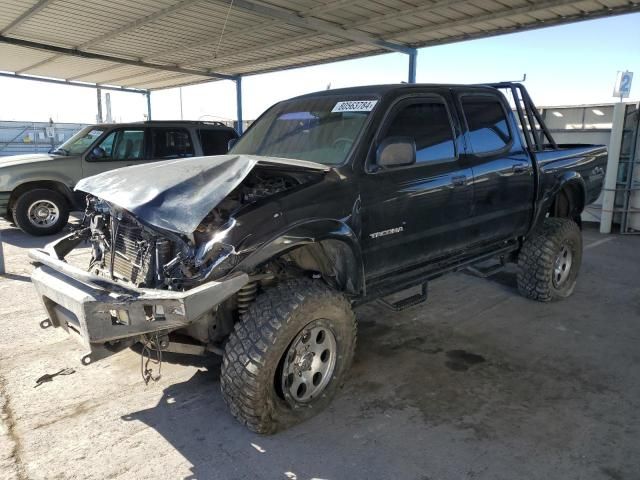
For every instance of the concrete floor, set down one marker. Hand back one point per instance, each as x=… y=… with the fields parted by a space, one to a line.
x=477 y=383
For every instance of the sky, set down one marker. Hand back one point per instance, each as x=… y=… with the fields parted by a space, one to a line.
x=565 y=65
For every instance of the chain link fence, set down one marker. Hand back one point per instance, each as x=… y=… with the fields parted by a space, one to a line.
x=33 y=137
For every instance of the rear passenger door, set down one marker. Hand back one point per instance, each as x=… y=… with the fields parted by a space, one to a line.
x=215 y=141
x=170 y=143
x=417 y=212
x=503 y=185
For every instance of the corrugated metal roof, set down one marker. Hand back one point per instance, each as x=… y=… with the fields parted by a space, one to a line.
x=152 y=44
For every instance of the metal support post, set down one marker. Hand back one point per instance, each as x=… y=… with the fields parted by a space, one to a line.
x=611 y=177
x=239 y=103
x=2 y=269
x=148 y=95
x=413 y=60
x=99 y=98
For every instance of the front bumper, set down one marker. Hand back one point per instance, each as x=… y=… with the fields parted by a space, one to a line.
x=106 y=316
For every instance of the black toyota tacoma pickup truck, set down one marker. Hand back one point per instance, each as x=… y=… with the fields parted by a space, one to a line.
x=328 y=201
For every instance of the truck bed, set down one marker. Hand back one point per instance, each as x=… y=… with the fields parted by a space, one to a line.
x=586 y=161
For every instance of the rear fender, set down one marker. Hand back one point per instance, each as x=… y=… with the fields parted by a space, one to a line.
x=574 y=185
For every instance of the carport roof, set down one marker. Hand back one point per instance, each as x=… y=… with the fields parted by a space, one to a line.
x=154 y=44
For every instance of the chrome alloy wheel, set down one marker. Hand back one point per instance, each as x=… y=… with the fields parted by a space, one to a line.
x=309 y=363
x=43 y=213
x=562 y=266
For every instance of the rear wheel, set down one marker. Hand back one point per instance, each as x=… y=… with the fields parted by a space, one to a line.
x=549 y=261
x=288 y=355
x=41 y=212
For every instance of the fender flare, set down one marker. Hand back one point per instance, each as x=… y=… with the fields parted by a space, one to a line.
x=338 y=243
x=569 y=180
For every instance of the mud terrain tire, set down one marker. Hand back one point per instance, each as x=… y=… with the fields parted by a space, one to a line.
x=549 y=261
x=263 y=342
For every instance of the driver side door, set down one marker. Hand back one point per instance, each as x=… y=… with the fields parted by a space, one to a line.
x=119 y=148
x=412 y=214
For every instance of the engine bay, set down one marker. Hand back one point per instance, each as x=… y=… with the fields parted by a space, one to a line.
x=126 y=249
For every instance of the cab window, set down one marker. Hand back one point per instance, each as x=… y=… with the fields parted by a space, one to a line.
x=487 y=123
x=428 y=123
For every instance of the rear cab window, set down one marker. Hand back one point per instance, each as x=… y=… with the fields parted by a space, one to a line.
x=488 y=127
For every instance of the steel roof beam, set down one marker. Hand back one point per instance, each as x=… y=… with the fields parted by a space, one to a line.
x=209 y=40
x=38 y=6
x=119 y=31
x=428 y=8
x=463 y=37
x=139 y=23
x=535 y=7
x=117 y=80
x=315 y=10
x=293 y=18
x=125 y=61
x=38 y=64
x=93 y=72
x=285 y=56
x=287 y=40
x=392 y=16
x=70 y=83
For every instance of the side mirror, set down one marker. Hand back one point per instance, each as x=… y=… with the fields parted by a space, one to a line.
x=396 y=152
x=97 y=153
x=231 y=143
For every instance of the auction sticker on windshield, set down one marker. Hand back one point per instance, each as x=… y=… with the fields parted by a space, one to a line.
x=354 y=106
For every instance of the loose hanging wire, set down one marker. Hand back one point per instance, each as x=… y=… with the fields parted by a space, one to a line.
x=145 y=358
x=224 y=25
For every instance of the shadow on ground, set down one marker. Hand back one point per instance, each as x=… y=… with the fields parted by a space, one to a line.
x=447 y=380
x=14 y=236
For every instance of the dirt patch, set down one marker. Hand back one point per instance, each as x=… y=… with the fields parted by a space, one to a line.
x=449 y=378
x=461 y=360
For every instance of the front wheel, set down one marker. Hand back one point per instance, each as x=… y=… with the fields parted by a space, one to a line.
x=41 y=212
x=288 y=355
x=549 y=261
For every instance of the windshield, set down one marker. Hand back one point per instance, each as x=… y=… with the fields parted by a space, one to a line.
x=80 y=142
x=321 y=129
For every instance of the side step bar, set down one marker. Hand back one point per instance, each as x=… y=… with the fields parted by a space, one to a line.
x=407 y=302
x=388 y=285
x=485 y=272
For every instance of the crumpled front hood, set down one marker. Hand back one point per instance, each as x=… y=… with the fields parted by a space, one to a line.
x=176 y=195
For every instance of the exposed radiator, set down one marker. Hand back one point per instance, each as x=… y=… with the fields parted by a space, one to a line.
x=133 y=261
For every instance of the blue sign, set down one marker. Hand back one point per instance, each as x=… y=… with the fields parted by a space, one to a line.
x=623 y=84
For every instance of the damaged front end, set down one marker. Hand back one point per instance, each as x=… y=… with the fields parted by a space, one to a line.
x=156 y=271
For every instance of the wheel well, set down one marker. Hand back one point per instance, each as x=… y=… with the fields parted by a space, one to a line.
x=61 y=188
x=568 y=203
x=334 y=259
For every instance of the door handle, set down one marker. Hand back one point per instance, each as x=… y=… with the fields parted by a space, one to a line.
x=459 y=180
x=518 y=168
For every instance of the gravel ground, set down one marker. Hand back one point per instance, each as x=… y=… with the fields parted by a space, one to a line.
x=477 y=383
